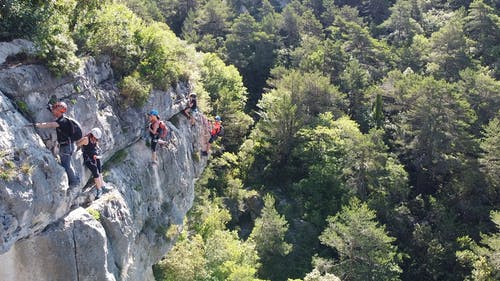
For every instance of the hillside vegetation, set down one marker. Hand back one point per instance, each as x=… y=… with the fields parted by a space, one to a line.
x=362 y=136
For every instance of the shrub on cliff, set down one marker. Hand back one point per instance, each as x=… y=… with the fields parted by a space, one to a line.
x=134 y=90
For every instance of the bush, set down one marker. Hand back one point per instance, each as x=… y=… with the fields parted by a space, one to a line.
x=111 y=31
x=163 y=56
x=134 y=90
x=94 y=213
x=58 y=52
x=19 y=19
x=23 y=107
x=47 y=25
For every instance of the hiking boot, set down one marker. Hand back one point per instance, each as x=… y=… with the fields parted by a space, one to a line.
x=105 y=188
x=204 y=153
x=98 y=193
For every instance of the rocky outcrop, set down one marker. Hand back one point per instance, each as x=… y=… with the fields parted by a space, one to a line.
x=51 y=232
x=15 y=47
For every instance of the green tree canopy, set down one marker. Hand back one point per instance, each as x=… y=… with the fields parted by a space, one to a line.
x=252 y=51
x=483 y=26
x=208 y=25
x=111 y=31
x=185 y=262
x=401 y=24
x=297 y=99
x=363 y=246
x=449 y=52
x=268 y=235
x=433 y=129
x=489 y=160
x=341 y=162
x=372 y=54
x=228 y=98
x=163 y=57
x=483 y=257
x=482 y=91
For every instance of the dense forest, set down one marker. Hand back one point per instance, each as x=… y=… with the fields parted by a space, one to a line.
x=361 y=137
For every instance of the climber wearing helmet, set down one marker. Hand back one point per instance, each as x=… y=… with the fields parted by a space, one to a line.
x=64 y=129
x=92 y=158
x=216 y=131
x=191 y=108
x=155 y=131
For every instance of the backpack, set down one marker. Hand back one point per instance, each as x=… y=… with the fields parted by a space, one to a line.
x=76 y=130
x=164 y=130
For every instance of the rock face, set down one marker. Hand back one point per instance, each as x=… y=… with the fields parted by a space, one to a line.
x=14 y=47
x=51 y=232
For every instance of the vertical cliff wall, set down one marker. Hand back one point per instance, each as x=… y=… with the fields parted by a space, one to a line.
x=51 y=232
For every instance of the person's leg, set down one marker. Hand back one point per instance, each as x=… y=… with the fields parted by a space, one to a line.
x=99 y=169
x=210 y=141
x=65 y=153
x=187 y=112
x=98 y=187
x=154 y=142
x=92 y=165
x=97 y=181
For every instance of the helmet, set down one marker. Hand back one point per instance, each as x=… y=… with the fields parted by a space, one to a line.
x=96 y=132
x=61 y=106
x=217 y=118
x=153 y=112
x=193 y=95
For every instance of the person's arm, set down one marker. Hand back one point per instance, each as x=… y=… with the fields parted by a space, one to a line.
x=95 y=157
x=47 y=125
x=82 y=141
x=154 y=128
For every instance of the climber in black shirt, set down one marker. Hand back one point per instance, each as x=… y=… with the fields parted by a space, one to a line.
x=191 y=108
x=92 y=158
x=63 y=128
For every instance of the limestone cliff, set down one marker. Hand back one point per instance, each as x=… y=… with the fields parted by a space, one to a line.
x=51 y=232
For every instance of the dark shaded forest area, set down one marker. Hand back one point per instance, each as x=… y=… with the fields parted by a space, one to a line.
x=362 y=137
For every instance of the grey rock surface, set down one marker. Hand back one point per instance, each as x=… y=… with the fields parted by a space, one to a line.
x=15 y=47
x=62 y=252
x=53 y=232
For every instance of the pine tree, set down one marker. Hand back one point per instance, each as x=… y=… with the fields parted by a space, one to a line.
x=269 y=237
x=363 y=246
x=482 y=257
x=489 y=160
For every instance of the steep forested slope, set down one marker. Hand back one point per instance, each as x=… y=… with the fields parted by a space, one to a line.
x=373 y=130
x=386 y=101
